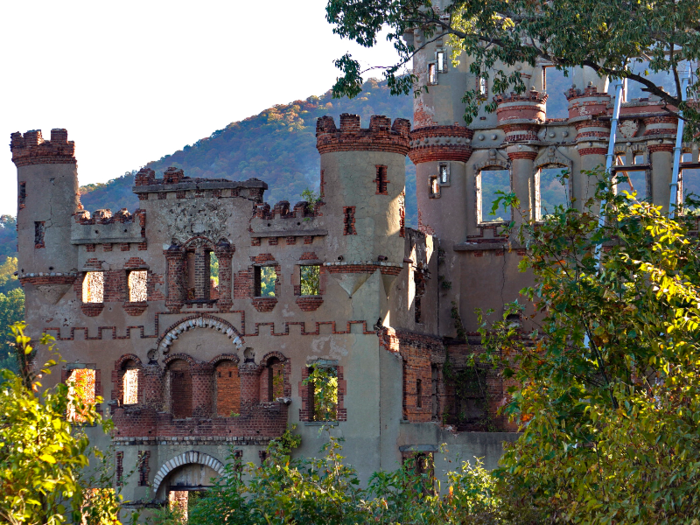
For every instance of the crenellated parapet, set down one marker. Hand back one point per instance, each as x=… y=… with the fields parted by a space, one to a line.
x=440 y=143
x=284 y=222
x=381 y=135
x=31 y=149
x=103 y=227
x=174 y=181
x=282 y=210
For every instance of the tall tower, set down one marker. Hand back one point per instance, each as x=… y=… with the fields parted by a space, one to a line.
x=47 y=185
x=363 y=174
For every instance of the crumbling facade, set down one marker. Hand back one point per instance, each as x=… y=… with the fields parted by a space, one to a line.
x=189 y=367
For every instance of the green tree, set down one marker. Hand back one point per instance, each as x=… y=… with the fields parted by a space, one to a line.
x=11 y=312
x=43 y=453
x=609 y=395
x=615 y=38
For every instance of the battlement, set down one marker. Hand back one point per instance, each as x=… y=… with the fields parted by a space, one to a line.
x=381 y=135
x=282 y=210
x=31 y=148
x=104 y=227
x=175 y=181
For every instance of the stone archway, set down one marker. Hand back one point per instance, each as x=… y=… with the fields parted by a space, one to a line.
x=199 y=321
x=182 y=461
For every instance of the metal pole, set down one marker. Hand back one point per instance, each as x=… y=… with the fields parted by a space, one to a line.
x=678 y=150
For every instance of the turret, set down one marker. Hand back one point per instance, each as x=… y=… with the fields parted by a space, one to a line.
x=362 y=183
x=47 y=185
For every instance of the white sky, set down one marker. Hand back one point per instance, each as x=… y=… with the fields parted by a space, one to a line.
x=132 y=81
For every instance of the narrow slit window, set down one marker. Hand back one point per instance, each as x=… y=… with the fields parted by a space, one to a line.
x=143 y=468
x=213 y=276
x=552 y=190
x=22 y=194
x=419 y=393
x=265 y=280
x=275 y=379
x=432 y=73
x=482 y=86
x=81 y=388
x=444 y=174
x=491 y=182
x=310 y=279
x=228 y=389
x=138 y=286
x=440 y=59
x=434 y=400
x=349 y=220
x=381 y=180
x=93 y=287
x=434 y=187
x=130 y=386
x=39 y=234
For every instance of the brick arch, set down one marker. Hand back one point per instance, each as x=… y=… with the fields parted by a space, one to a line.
x=119 y=363
x=176 y=357
x=198 y=321
x=187 y=459
x=265 y=386
x=199 y=240
x=225 y=357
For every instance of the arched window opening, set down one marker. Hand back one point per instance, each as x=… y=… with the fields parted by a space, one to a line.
x=228 y=389
x=275 y=379
x=180 y=387
x=130 y=383
x=199 y=275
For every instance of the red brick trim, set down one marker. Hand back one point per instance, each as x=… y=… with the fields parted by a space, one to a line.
x=363 y=268
x=529 y=155
x=309 y=303
x=92 y=309
x=660 y=147
x=135 y=309
x=264 y=304
x=31 y=149
x=592 y=151
x=380 y=136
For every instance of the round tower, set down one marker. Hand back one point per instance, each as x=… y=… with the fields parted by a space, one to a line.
x=363 y=174
x=47 y=186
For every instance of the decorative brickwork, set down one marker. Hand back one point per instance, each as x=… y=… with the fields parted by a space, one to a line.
x=380 y=136
x=440 y=143
x=31 y=149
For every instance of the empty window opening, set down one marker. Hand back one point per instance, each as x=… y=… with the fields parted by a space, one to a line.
x=689 y=183
x=434 y=400
x=419 y=393
x=310 y=278
x=482 y=85
x=555 y=83
x=138 y=286
x=180 y=386
x=265 y=280
x=663 y=79
x=322 y=383
x=178 y=504
x=228 y=389
x=39 y=234
x=491 y=182
x=143 y=468
x=639 y=159
x=632 y=182
x=81 y=389
x=432 y=73
x=552 y=190
x=419 y=283
x=213 y=276
x=120 y=468
x=238 y=461
x=93 y=287
x=443 y=174
x=199 y=274
x=275 y=379
x=381 y=180
x=440 y=59
x=434 y=187
x=349 y=220
x=22 y=195
x=467 y=401
x=130 y=385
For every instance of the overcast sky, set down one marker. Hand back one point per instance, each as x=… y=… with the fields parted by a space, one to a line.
x=132 y=81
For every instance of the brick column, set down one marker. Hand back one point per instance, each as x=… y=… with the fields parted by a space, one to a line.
x=176 y=289
x=224 y=252
x=202 y=389
x=250 y=384
x=152 y=385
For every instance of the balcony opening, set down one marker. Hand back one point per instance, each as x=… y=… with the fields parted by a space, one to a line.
x=81 y=388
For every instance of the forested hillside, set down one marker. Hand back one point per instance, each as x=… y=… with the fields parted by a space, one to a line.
x=277 y=146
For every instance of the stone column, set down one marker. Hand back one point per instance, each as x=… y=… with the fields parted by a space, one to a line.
x=662 y=128
x=176 y=296
x=523 y=181
x=224 y=252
